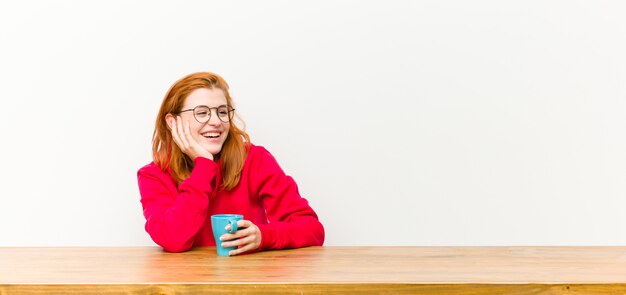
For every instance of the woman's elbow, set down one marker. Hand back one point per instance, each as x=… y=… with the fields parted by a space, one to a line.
x=319 y=236
x=175 y=248
x=172 y=245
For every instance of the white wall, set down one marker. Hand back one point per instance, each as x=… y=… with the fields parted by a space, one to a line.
x=404 y=123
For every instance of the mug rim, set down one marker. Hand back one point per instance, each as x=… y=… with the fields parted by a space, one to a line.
x=226 y=215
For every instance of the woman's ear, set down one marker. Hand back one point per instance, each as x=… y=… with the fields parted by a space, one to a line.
x=168 y=120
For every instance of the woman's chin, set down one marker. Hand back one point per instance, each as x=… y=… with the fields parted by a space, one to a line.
x=213 y=148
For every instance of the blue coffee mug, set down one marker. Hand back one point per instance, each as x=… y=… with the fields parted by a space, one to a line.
x=219 y=223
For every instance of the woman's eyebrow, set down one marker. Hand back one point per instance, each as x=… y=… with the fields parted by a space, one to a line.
x=203 y=105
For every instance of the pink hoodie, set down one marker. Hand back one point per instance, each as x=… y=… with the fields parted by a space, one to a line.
x=179 y=217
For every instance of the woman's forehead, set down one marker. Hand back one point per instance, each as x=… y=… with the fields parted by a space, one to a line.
x=203 y=96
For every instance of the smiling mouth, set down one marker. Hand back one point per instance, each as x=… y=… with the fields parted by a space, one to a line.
x=211 y=134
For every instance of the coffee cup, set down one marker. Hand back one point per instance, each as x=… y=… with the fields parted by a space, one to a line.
x=219 y=223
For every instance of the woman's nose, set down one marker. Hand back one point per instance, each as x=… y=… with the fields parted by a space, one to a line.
x=214 y=120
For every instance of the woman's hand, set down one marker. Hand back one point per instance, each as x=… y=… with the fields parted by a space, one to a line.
x=182 y=137
x=248 y=237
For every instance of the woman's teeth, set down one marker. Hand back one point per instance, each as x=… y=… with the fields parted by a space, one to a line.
x=211 y=134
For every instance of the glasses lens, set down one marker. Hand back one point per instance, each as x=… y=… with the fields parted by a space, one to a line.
x=224 y=114
x=202 y=114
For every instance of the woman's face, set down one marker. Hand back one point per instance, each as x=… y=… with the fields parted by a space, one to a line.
x=212 y=134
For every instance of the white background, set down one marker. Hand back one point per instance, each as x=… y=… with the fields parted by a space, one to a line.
x=403 y=122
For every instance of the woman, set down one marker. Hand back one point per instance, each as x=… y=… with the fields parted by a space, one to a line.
x=205 y=165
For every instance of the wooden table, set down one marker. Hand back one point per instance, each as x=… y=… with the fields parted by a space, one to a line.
x=319 y=270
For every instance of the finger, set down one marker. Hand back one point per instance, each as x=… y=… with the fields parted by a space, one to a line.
x=181 y=132
x=239 y=242
x=190 y=139
x=175 y=135
x=193 y=145
x=244 y=223
x=187 y=133
x=243 y=249
x=241 y=224
x=244 y=228
x=228 y=236
x=236 y=235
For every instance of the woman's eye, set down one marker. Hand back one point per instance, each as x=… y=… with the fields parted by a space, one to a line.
x=203 y=113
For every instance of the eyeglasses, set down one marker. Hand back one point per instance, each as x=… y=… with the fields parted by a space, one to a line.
x=203 y=113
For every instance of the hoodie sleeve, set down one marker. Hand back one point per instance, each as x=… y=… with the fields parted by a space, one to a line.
x=292 y=222
x=174 y=217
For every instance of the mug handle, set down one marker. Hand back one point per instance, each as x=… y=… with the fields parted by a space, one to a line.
x=233 y=225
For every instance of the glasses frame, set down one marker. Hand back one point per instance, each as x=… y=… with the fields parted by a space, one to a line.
x=231 y=112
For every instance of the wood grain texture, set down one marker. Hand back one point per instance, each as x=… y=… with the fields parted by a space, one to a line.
x=316 y=270
x=427 y=289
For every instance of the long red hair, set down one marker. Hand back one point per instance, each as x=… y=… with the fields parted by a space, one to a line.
x=167 y=154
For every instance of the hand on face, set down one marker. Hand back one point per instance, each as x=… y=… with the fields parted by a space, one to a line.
x=248 y=237
x=182 y=137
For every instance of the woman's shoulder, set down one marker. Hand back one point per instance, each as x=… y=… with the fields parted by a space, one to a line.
x=151 y=169
x=257 y=152
x=254 y=149
x=260 y=158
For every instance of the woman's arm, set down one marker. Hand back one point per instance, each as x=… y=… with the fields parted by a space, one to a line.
x=292 y=222
x=174 y=219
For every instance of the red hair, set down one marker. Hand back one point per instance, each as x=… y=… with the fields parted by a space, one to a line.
x=167 y=154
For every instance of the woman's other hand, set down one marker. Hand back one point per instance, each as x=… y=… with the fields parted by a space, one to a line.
x=246 y=238
x=182 y=137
